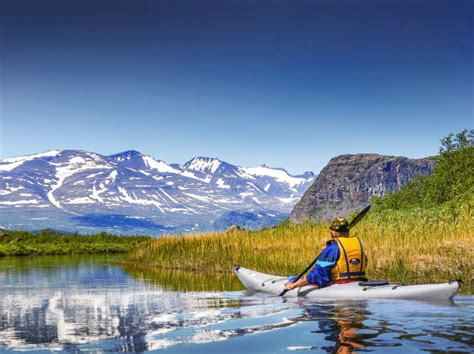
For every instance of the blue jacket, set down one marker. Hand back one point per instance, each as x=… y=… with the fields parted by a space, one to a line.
x=321 y=273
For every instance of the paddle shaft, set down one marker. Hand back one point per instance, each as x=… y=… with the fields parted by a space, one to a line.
x=354 y=222
x=302 y=273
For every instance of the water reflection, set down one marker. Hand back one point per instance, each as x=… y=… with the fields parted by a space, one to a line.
x=178 y=280
x=341 y=324
x=93 y=305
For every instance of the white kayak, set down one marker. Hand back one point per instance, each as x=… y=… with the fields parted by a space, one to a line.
x=273 y=284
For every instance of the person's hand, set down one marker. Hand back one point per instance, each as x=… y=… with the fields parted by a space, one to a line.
x=290 y=286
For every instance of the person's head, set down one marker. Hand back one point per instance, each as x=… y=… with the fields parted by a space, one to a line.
x=339 y=227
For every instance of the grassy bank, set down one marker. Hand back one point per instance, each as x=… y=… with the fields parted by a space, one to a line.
x=415 y=246
x=23 y=243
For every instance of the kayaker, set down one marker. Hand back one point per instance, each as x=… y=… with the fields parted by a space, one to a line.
x=342 y=259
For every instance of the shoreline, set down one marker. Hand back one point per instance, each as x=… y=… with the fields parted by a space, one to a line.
x=48 y=242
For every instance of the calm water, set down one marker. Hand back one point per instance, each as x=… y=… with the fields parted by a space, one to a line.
x=88 y=304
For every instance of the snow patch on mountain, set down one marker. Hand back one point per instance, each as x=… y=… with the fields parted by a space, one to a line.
x=81 y=200
x=279 y=174
x=192 y=175
x=25 y=201
x=160 y=166
x=288 y=200
x=10 y=166
x=127 y=197
x=49 y=153
x=9 y=190
x=14 y=162
x=221 y=184
x=203 y=164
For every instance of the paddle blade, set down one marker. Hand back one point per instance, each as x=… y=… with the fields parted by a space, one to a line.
x=359 y=216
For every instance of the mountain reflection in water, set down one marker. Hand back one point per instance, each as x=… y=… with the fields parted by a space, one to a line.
x=87 y=303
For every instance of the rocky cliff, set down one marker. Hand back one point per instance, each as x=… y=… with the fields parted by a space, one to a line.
x=348 y=182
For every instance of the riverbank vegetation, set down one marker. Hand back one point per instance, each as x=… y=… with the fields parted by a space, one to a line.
x=410 y=247
x=50 y=242
x=423 y=233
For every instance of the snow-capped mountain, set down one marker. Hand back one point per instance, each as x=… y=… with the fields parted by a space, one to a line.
x=131 y=192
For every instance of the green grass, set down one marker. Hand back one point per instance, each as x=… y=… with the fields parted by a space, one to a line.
x=47 y=242
x=415 y=246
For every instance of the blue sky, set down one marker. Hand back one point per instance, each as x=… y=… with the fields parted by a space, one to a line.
x=287 y=83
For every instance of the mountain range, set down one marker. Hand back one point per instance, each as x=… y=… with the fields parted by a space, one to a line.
x=130 y=192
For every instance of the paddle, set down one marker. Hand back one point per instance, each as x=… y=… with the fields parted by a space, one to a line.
x=354 y=222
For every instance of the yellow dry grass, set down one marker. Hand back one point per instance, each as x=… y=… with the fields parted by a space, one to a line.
x=418 y=246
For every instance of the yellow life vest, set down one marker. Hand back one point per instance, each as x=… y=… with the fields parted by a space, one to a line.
x=352 y=260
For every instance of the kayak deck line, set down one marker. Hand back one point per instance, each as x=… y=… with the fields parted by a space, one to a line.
x=271 y=284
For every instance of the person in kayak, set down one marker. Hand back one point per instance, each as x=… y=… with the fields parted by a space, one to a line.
x=342 y=259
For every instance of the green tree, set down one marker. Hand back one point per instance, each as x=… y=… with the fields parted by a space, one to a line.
x=453 y=177
x=461 y=141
